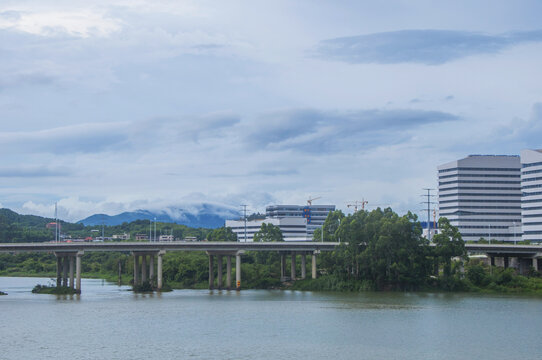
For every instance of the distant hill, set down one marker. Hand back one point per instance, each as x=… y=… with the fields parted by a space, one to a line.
x=202 y=216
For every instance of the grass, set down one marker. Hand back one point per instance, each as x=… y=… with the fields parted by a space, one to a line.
x=55 y=290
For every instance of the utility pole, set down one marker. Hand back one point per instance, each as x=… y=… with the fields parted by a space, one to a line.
x=428 y=202
x=245 y=218
x=56 y=223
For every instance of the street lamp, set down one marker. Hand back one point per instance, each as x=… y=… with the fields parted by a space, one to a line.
x=514 y=233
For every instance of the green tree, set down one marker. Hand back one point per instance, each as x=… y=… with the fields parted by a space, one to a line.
x=222 y=234
x=268 y=232
x=448 y=244
x=330 y=227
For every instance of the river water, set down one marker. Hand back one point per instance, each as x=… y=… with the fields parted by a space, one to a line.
x=110 y=322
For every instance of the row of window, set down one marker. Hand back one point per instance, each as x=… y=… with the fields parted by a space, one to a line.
x=478 y=182
x=532 y=208
x=480 y=175
x=481 y=207
x=459 y=212
x=477 y=194
x=531 y=201
x=531 y=164
x=531 y=186
x=532 y=193
x=531 y=172
x=481 y=188
x=492 y=235
x=481 y=227
x=532 y=223
x=532 y=232
x=480 y=201
x=531 y=216
x=478 y=169
x=531 y=179
x=486 y=220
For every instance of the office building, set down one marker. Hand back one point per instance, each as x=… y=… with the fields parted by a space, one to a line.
x=531 y=201
x=481 y=195
x=315 y=214
x=293 y=229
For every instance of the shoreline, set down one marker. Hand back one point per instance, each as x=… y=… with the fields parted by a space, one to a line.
x=293 y=287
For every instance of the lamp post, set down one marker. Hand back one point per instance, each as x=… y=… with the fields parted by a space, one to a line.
x=514 y=233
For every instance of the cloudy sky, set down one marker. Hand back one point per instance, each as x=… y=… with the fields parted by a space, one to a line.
x=108 y=106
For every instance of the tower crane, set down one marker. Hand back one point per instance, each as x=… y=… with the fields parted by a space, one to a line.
x=357 y=203
x=310 y=200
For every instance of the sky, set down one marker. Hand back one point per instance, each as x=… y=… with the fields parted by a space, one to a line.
x=118 y=105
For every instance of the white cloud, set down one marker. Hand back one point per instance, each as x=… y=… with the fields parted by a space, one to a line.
x=83 y=23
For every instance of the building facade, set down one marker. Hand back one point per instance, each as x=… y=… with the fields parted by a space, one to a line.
x=531 y=187
x=315 y=214
x=481 y=195
x=293 y=229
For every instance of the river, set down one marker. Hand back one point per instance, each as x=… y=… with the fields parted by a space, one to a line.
x=110 y=322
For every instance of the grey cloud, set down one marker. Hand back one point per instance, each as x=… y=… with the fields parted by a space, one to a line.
x=118 y=136
x=23 y=79
x=321 y=131
x=81 y=138
x=34 y=171
x=431 y=47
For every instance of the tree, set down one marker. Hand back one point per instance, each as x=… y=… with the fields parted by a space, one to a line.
x=448 y=244
x=268 y=232
x=222 y=234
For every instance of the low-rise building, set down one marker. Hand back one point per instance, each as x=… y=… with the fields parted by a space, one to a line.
x=124 y=236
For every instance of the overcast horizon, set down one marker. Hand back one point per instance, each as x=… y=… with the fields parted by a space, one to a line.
x=122 y=105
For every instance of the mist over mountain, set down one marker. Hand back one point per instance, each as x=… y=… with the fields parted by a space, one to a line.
x=204 y=216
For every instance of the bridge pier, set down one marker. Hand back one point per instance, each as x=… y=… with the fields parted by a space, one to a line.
x=228 y=272
x=283 y=267
x=143 y=268
x=211 y=273
x=220 y=272
x=535 y=264
x=314 y=265
x=65 y=271
x=303 y=266
x=219 y=268
x=506 y=262
x=136 y=269
x=151 y=269
x=72 y=285
x=238 y=271
x=78 y=272
x=159 y=270
x=58 y=270
x=66 y=264
x=145 y=271
x=292 y=267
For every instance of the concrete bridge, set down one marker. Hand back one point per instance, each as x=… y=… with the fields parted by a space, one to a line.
x=525 y=256
x=145 y=253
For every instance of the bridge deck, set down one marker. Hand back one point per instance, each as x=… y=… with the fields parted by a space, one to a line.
x=169 y=246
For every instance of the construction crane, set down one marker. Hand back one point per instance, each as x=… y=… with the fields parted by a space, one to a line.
x=357 y=203
x=310 y=200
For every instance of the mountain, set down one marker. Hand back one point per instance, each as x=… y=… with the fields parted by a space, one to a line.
x=201 y=216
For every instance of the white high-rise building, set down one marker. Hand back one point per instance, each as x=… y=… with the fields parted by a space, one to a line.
x=481 y=195
x=315 y=214
x=531 y=201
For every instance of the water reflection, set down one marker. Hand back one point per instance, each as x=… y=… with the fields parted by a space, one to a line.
x=110 y=321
